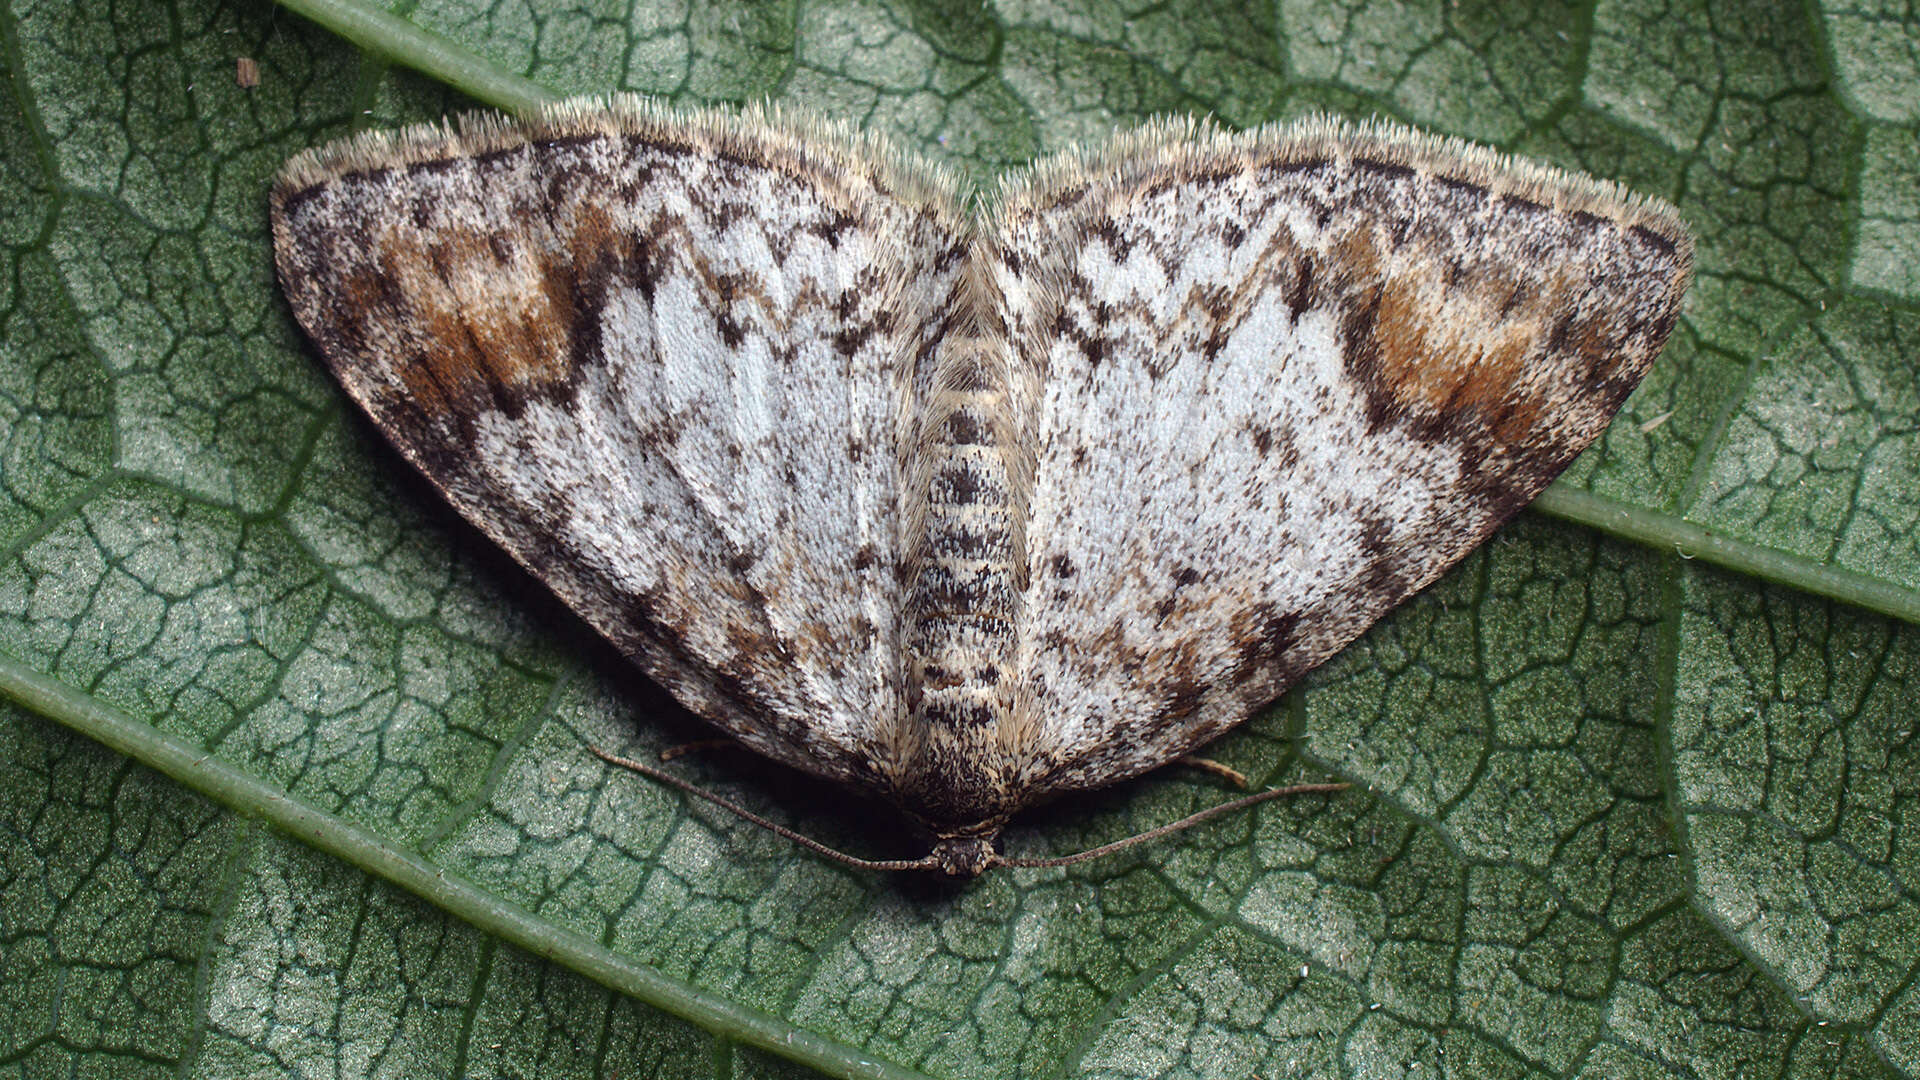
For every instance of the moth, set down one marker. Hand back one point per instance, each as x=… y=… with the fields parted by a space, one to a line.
x=970 y=504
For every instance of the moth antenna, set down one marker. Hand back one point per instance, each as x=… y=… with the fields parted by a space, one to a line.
x=1187 y=822
x=929 y=862
x=808 y=842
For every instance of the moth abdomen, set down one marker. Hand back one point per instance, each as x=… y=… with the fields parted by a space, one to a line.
x=963 y=601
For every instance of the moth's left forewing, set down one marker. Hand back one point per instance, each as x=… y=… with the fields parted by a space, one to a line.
x=666 y=360
x=1280 y=382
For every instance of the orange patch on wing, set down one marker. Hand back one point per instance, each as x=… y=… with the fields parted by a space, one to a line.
x=486 y=313
x=1451 y=349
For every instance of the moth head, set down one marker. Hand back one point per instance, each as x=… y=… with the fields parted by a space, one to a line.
x=964 y=856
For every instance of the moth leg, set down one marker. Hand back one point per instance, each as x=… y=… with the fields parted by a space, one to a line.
x=1207 y=765
x=698 y=746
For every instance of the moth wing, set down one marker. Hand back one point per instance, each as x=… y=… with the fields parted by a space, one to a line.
x=664 y=362
x=1279 y=383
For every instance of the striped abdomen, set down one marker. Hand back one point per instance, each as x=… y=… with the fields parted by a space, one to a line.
x=961 y=604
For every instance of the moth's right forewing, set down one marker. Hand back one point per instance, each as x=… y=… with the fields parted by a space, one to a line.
x=1282 y=381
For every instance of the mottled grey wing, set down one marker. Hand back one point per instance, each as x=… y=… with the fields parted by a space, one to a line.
x=1281 y=382
x=663 y=362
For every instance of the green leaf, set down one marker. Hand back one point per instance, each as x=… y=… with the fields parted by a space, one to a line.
x=295 y=779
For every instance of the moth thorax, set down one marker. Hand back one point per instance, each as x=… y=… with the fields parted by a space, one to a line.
x=959 y=626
